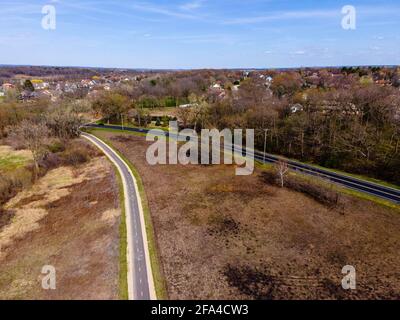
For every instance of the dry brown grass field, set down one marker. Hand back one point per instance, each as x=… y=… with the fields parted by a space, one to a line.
x=68 y=219
x=221 y=236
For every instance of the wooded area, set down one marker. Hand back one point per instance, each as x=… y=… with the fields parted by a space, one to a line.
x=344 y=118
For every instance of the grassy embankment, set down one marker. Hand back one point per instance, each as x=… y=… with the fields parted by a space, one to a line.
x=123 y=243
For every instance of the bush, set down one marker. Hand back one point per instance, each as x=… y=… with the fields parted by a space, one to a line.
x=6 y=189
x=56 y=146
x=77 y=152
x=75 y=156
x=319 y=193
x=322 y=195
x=14 y=182
x=270 y=177
x=16 y=144
x=165 y=121
x=50 y=161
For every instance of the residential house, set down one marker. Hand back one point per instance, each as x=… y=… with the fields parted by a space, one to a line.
x=40 y=85
x=27 y=95
x=268 y=82
x=216 y=86
x=189 y=105
x=8 y=86
x=296 y=108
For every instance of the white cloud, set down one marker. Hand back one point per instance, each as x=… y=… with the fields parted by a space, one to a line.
x=193 y=5
x=365 y=11
x=127 y=9
x=148 y=7
x=285 y=15
x=202 y=38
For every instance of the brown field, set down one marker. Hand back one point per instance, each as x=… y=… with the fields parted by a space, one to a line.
x=166 y=111
x=69 y=219
x=226 y=237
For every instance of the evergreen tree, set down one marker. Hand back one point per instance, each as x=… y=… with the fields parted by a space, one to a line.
x=28 y=86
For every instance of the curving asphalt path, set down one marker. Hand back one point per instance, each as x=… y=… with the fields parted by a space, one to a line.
x=367 y=187
x=140 y=281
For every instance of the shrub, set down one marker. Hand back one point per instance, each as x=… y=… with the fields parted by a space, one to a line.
x=12 y=183
x=165 y=121
x=6 y=189
x=77 y=152
x=75 y=156
x=56 y=146
x=319 y=193
x=270 y=177
x=50 y=161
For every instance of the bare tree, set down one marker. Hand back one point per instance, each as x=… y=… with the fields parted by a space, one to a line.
x=282 y=170
x=184 y=115
x=64 y=123
x=34 y=137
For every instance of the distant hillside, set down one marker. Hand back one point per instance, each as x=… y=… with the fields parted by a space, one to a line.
x=8 y=72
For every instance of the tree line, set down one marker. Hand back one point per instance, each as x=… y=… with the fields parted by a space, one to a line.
x=335 y=119
x=346 y=119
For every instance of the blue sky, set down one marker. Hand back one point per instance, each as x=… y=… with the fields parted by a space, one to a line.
x=200 y=33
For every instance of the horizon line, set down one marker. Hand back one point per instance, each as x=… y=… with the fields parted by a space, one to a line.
x=202 y=68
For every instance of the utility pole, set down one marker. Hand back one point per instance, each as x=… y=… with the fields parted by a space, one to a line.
x=122 y=121
x=265 y=142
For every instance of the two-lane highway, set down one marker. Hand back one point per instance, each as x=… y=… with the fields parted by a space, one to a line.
x=364 y=186
x=140 y=279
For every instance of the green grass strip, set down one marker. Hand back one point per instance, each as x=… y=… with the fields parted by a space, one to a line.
x=123 y=245
x=358 y=176
x=123 y=241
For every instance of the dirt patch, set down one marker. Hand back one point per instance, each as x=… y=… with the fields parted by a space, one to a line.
x=6 y=217
x=253 y=283
x=69 y=219
x=28 y=200
x=222 y=236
